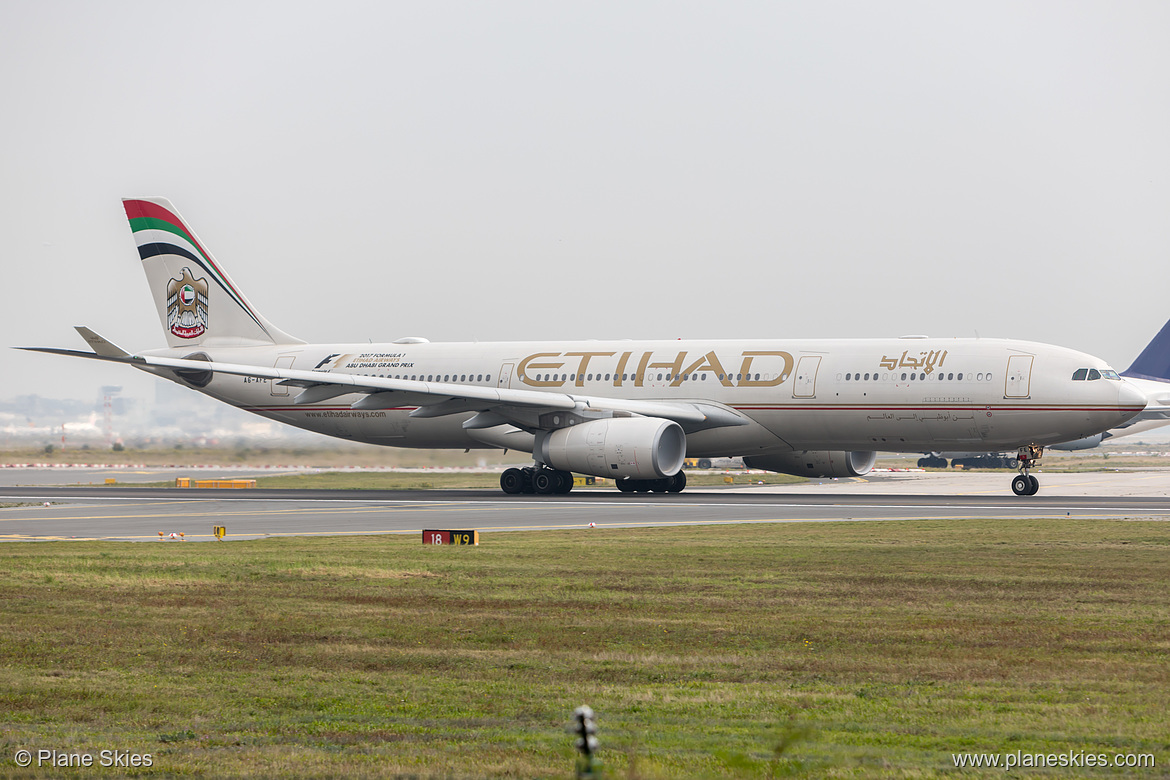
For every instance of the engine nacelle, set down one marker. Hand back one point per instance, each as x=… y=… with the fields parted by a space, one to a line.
x=814 y=463
x=1087 y=443
x=631 y=447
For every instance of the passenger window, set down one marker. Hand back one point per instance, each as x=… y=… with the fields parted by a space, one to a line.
x=1094 y=374
x=903 y=377
x=847 y=377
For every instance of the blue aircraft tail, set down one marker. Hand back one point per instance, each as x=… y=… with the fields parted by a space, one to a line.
x=1154 y=362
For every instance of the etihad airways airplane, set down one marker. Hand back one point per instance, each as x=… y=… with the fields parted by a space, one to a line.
x=627 y=410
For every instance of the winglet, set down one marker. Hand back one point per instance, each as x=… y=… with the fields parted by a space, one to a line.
x=99 y=344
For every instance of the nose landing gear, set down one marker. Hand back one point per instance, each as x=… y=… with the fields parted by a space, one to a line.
x=1024 y=483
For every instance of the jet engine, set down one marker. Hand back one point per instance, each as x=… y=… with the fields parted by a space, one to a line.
x=621 y=447
x=1087 y=443
x=194 y=376
x=812 y=463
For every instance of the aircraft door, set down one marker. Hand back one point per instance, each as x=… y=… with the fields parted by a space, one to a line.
x=805 y=383
x=1019 y=376
x=505 y=378
x=284 y=361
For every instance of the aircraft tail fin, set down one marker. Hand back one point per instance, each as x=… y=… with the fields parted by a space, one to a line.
x=1154 y=361
x=197 y=302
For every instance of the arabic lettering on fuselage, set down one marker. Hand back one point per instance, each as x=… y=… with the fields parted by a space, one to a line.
x=756 y=368
x=927 y=361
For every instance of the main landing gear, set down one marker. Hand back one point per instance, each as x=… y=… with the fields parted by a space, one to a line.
x=1024 y=483
x=540 y=480
x=673 y=484
x=545 y=481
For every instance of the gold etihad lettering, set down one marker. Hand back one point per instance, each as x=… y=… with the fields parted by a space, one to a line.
x=709 y=362
x=585 y=357
x=527 y=365
x=926 y=361
x=553 y=369
x=746 y=369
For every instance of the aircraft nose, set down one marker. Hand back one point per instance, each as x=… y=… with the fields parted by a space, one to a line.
x=1130 y=400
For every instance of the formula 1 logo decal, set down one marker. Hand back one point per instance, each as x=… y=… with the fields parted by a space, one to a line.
x=187 y=306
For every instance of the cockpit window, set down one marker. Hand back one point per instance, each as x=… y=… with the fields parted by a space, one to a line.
x=1080 y=374
x=1094 y=374
x=1109 y=373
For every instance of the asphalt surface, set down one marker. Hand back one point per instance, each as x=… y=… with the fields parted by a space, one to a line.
x=140 y=514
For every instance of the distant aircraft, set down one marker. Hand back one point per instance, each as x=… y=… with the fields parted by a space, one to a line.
x=1150 y=372
x=629 y=410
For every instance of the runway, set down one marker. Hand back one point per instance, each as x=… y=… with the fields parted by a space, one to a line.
x=140 y=514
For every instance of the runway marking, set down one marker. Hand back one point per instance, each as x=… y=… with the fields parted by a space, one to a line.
x=399 y=505
x=511 y=528
x=272 y=512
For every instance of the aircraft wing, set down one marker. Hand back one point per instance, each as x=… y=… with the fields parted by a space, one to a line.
x=433 y=399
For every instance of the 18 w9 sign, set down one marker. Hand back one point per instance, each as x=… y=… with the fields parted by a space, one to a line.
x=431 y=536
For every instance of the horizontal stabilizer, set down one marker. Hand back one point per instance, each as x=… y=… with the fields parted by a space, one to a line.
x=99 y=344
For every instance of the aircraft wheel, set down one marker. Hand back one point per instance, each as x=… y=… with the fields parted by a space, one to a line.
x=660 y=485
x=526 y=481
x=1033 y=485
x=625 y=485
x=1022 y=485
x=704 y=463
x=643 y=485
x=566 y=485
x=512 y=482
x=546 y=482
x=677 y=483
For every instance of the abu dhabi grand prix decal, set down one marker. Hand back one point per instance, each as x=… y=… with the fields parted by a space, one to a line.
x=187 y=306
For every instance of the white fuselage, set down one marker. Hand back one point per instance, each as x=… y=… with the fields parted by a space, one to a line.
x=901 y=395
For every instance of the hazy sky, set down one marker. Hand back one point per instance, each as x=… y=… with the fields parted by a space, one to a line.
x=507 y=170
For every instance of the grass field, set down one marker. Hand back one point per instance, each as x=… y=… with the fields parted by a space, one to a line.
x=794 y=650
